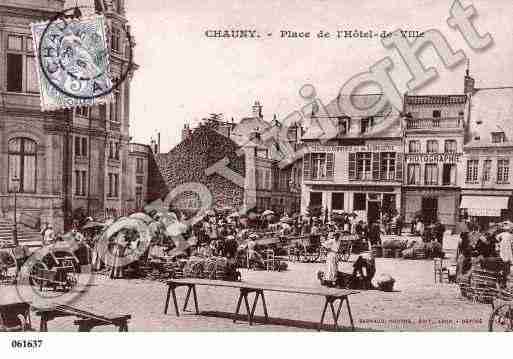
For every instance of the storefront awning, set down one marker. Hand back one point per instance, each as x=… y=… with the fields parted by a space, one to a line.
x=484 y=206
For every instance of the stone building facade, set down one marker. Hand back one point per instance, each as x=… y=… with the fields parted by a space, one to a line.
x=433 y=141
x=360 y=168
x=64 y=162
x=139 y=160
x=487 y=188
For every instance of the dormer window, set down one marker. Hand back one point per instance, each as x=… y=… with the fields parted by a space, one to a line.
x=498 y=137
x=343 y=125
x=364 y=124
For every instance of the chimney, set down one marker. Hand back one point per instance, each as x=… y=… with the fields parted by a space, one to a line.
x=186 y=132
x=153 y=145
x=469 y=82
x=257 y=110
x=158 y=142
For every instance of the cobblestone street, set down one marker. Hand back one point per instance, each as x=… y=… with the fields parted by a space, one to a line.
x=416 y=304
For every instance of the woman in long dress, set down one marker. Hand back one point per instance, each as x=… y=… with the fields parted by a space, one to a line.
x=332 y=245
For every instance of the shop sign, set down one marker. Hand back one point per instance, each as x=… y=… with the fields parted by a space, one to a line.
x=447 y=157
x=363 y=148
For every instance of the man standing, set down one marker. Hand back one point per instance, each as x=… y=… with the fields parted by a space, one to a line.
x=505 y=240
x=399 y=223
x=439 y=231
x=374 y=234
x=48 y=234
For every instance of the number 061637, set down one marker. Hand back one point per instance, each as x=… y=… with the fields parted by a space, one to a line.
x=26 y=343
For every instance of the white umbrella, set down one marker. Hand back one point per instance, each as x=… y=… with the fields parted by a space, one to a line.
x=234 y=215
x=267 y=213
x=176 y=229
x=142 y=216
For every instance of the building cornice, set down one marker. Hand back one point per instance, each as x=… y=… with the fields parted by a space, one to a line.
x=30 y=14
x=29 y=112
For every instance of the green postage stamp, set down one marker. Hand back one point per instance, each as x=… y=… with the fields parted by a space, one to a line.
x=73 y=62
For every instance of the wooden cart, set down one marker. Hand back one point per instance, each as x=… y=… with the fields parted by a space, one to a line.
x=55 y=271
x=501 y=318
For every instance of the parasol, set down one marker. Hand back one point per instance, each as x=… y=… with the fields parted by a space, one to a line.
x=93 y=225
x=142 y=216
x=267 y=212
x=234 y=215
x=176 y=229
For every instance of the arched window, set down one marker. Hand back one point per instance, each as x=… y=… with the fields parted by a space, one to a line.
x=22 y=165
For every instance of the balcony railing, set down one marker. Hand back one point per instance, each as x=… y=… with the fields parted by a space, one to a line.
x=136 y=147
x=434 y=123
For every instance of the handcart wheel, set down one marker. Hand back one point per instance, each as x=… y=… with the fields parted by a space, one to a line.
x=501 y=319
x=7 y=262
x=34 y=277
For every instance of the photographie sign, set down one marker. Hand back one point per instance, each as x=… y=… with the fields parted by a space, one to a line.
x=447 y=157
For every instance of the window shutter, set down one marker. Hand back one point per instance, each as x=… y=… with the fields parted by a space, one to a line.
x=383 y=166
x=352 y=166
x=375 y=165
x=399 y=167
x=307 y=167
x=329 y=165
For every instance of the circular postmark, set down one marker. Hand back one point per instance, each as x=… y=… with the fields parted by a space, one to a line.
x=74 y=57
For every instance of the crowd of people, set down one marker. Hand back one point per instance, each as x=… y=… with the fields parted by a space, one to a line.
x=433 y=231
x=491 y=250
x=236 y=236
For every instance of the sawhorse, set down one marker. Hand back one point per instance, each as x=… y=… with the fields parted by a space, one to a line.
x=171 y=291
x=330 y=300
x=259 y=292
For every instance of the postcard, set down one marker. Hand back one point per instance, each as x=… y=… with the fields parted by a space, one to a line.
x=272 y=166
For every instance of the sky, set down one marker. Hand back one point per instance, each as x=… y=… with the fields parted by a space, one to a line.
x=185 y=76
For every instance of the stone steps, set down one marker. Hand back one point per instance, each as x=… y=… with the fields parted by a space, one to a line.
x=26 y=236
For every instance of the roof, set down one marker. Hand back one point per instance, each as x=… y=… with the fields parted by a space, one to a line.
x=435 y=99
x=491 y=111
x=188 y=161
x=344 y=105
x=387 y=118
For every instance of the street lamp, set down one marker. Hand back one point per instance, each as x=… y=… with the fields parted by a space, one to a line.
x=16 y=182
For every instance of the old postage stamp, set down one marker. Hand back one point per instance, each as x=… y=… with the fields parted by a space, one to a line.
x=73 y=60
